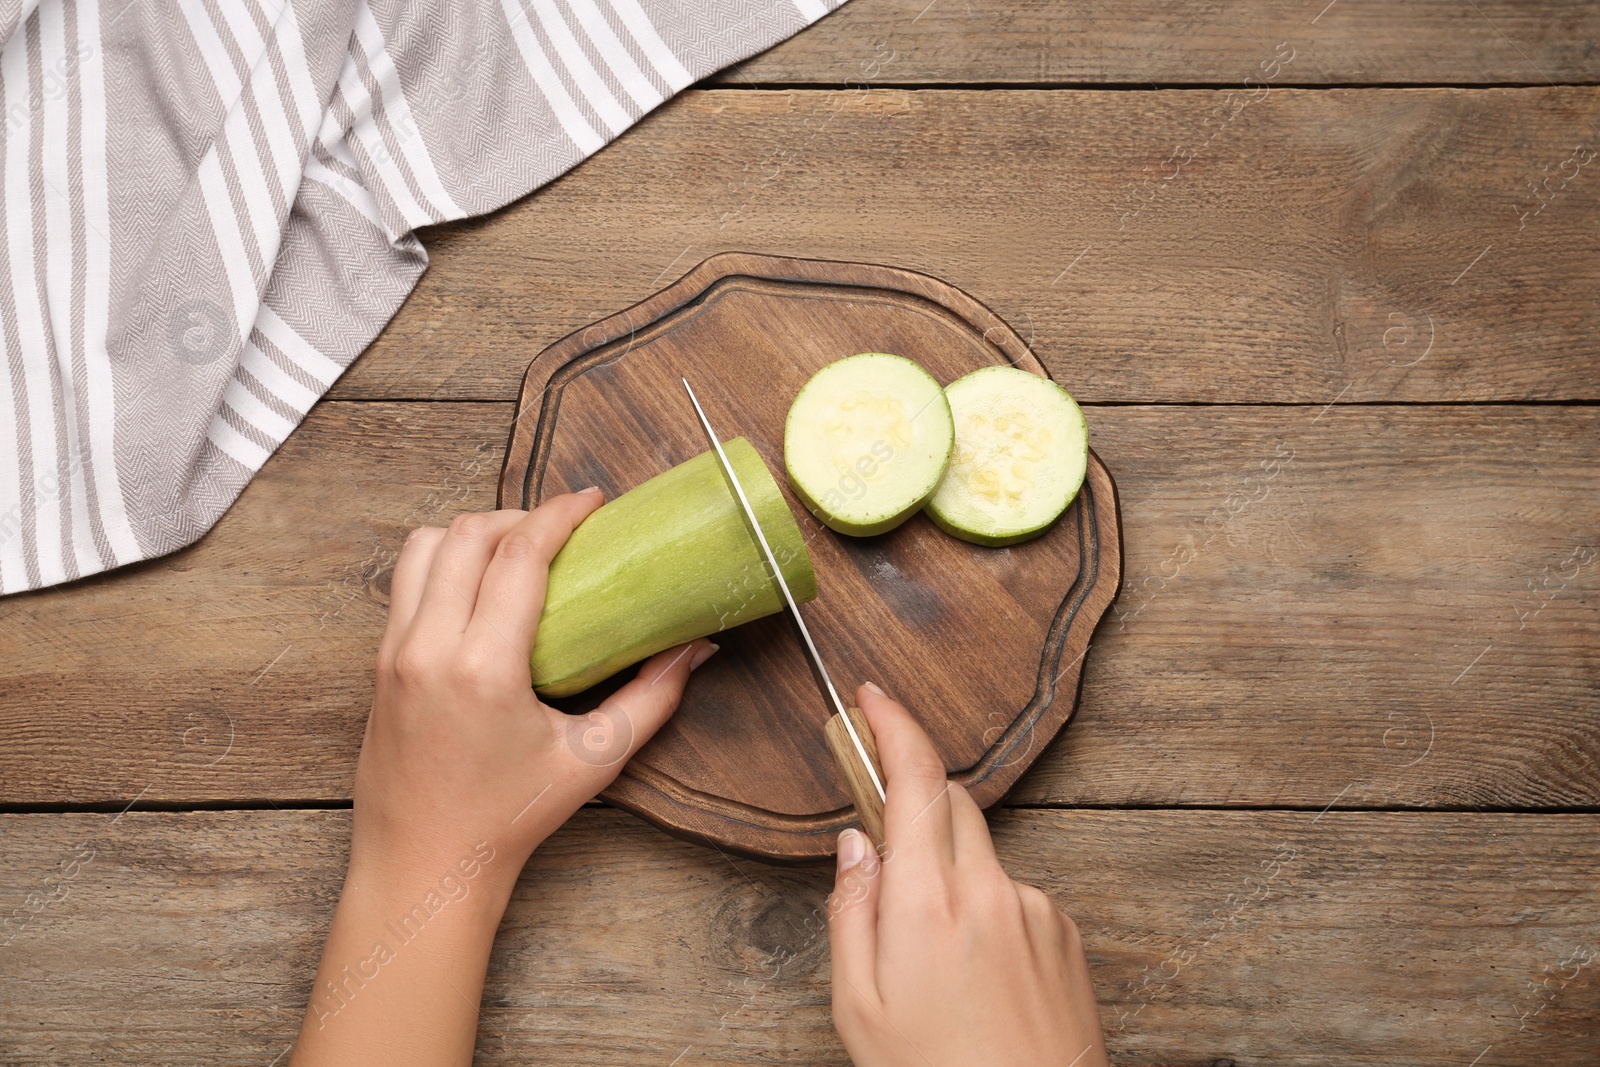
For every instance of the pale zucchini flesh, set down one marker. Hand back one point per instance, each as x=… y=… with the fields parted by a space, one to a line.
x=866 y=442
x=666 y=562
x=1021 y=452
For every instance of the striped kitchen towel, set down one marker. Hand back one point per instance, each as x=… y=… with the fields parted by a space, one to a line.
x=209 y=211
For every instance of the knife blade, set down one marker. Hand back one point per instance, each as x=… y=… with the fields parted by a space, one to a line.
x=857 y=759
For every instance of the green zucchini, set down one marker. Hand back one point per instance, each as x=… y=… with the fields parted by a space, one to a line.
x=666 y=562
x=866 y=442
x=1022 y=449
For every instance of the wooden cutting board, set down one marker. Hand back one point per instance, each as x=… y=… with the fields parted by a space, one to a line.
x=984 y=645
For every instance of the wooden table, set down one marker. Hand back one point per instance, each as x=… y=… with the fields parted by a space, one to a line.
x=1331 y=796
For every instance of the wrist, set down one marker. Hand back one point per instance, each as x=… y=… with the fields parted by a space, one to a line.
x=415 y=886
x=411 y=927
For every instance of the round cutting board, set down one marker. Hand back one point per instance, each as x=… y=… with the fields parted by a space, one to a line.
x=985 y=646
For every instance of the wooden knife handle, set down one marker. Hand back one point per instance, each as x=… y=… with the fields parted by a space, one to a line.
x=869 y=808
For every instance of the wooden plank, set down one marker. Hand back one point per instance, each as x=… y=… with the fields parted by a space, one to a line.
x=1373 y=606
x=1362 y=606
x=1281 y=937
x=1084 y=42
x=1364 y=245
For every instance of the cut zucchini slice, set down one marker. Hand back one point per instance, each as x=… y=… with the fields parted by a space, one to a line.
x=866 y=442
x=1022 y=449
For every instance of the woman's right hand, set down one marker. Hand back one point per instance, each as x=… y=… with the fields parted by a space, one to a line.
x=938 y=956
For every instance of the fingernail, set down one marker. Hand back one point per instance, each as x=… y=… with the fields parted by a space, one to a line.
x=704 y=654
x=590 y=489
x=852 y=849
x=874 y=688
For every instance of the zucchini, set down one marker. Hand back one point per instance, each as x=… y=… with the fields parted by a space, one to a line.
x=1022 y=449
x=866 y=442
x=666 y=562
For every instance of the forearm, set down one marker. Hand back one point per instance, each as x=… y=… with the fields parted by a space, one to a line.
x=402 y=972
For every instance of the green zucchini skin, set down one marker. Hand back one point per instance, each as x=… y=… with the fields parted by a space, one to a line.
x=972 y=537
x=666 y=562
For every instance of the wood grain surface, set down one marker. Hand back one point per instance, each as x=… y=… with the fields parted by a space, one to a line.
x=1404 y=614
x=988 y=644
x=1249 y=937
x=1184 y=42
x=1340 y=348
x=1364 y=245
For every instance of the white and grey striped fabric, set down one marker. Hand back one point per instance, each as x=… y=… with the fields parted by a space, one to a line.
x=208 y=214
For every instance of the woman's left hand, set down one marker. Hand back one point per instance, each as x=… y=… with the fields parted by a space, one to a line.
x=458 y=749
x=462 y=773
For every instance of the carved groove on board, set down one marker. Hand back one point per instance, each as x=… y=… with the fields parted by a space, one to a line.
x=1084 y=512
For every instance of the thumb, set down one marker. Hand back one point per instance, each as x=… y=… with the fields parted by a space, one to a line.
x=607 y=737
x=853 y=918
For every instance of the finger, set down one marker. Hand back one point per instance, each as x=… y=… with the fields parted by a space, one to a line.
x=1043 y=922
x=451 y=589
x=604 y=739
x=511 y=594
x=916 y=811
x=405 y=584
x=853 y=915
x=974 y=846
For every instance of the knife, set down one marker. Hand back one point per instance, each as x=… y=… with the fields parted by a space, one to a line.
x=854 y=749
